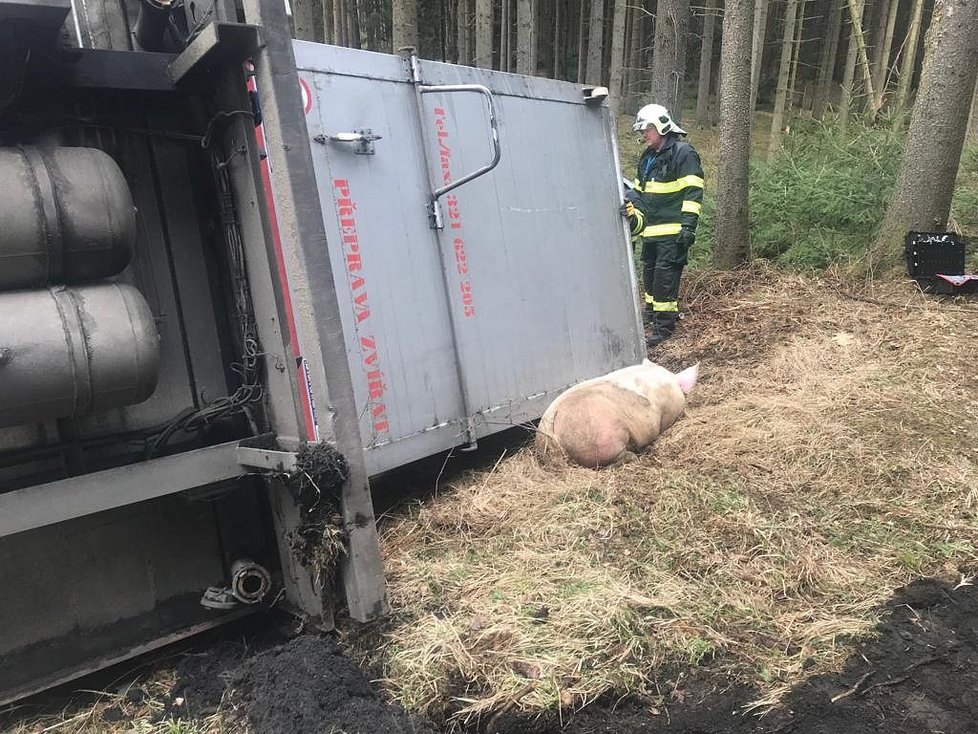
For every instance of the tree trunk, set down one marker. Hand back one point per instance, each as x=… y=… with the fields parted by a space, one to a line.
x=669 y=56
x=462 y=19
x=830 y=50
x=583 y=6
x=558 y=41
x=781 y=96
x=795 y=56
x=592 y=72
x=616 y=70
x=706 y=63
x=524 y=37
x=636 y=79
x=973 y=118
x=303 y=20
x=908 y=62
x=881 y=8
x=881 y=80
x=483 y=34
x=404 y=14
x=757 y=49
x=731 y=226
x=339 y=22
x=856 y=8
x=505 y=34
x=328 y=31
x=353 y=23
x=921 y=199
x=849 y=75
x=535 y=34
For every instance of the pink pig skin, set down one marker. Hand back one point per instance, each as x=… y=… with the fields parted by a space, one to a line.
x=609 y=419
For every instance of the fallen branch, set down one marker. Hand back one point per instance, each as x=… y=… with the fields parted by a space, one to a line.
x=855 y=687
x=906 y=671
x=507 y=707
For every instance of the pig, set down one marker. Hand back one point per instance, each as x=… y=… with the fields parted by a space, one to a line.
x=610 y=419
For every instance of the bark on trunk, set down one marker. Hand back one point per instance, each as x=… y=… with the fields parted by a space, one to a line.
x=706 y=64
x=353 y=23
x=483 y=34
x=636 y=65
x=592 y=72
x=757 y=49
x=339 y=22
x=973 y=118
x=849 y=75
x=405 y=23
x=781 y=95
x=462 y=18
x=583 y=6
x=909 y=61
x=830 y=50
x=795 y=57
x=617 y=64
x=731 y=230
x=856 y=9
x=524 y=37
x=329 y=33
x=505 y=34
x=921 y=199
x=303 y=20
x=882 y=80
x=669 y=56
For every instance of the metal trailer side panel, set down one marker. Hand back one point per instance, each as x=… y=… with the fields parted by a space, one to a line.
x=527 y=290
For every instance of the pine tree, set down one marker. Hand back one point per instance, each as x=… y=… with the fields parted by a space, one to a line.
x=781 y=96
x=483 y=34
x=405 y=20
x=731 y=230
x=669 y=56
x=921 y=199
x=706 y=64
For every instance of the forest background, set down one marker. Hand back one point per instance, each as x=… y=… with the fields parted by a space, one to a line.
x=824 y=90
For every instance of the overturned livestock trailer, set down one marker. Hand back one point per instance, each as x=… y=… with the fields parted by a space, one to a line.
x=239 y=277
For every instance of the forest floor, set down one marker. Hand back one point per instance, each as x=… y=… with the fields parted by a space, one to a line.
x=797 y=554
x=737 y=578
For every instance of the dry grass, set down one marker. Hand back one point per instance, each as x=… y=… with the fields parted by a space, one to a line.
x=119 y=712
x=829 y=455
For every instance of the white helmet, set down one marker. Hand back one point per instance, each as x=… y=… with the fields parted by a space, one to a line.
x=657 y=116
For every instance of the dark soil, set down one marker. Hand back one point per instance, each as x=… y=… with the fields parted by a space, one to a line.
x=919 y=674
x=303 y=686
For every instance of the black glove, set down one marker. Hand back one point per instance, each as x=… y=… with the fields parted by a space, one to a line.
x=686 y=238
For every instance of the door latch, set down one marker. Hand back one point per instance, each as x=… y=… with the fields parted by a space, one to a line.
x=363 y=140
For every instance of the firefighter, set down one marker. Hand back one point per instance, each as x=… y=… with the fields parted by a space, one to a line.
x=663 y=211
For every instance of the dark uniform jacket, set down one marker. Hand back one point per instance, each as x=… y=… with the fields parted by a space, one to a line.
x=668 y=191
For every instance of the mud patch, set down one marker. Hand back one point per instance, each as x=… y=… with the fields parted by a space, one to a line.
x=309 y=687
x=303 y=686
x=918 y=674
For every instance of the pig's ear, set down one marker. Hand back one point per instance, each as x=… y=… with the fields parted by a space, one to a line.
x=687 y=378
x=647 y=362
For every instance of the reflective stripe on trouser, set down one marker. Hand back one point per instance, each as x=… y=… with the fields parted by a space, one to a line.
x=662 y=266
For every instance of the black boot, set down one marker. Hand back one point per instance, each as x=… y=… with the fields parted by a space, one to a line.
x=662 y=329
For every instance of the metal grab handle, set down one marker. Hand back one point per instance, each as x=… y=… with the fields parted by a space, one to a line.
x=496 y=152
x=434 y=211
x=364 y=140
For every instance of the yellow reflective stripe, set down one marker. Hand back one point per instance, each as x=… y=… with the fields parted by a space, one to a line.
x=692 y=207
x=637 y=184
x=657 y=230
x=671 y=187
x=639 y=223
x=649 y=300
x=670 y=306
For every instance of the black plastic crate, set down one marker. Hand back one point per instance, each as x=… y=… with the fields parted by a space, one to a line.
x=932 y=254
